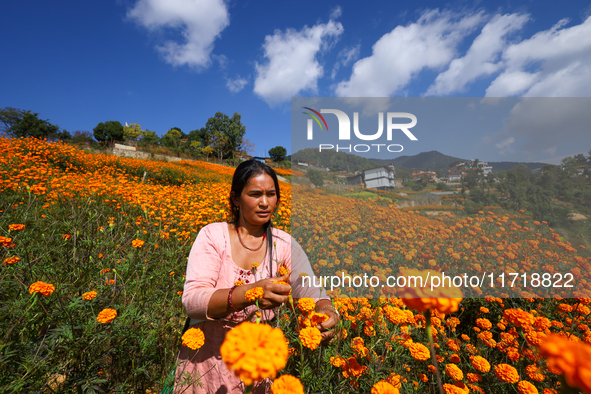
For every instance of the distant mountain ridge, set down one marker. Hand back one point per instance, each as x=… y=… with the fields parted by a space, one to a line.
x=432 y=160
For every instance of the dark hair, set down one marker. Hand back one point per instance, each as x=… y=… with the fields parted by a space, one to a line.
x=242 y=175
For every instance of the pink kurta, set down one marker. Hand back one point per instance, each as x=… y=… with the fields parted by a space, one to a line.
x=210 y=267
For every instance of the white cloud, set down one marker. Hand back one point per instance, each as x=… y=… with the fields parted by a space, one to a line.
x=200 y=22
x=505 y=145
x=292 y=66
x=336 y=12
x=552 y=63
x=400 y=55
x=480 y=58
x=237 y=84
x=345 y=56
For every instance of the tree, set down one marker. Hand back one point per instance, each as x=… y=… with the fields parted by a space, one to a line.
x=208 y=150
x=29 y=125
x=195 y=147
x=227 y=133
x=172 y=138
x=278 y=153
x=82 y=136
x=246 y=147
x=132 y=132
x=111 y=131
x=315 y=177
x=150 y=137
x=9 y=117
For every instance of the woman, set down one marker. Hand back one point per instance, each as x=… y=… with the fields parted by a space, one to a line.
x=227 y=260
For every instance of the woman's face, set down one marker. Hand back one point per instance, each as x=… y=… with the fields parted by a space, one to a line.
x=258 y=199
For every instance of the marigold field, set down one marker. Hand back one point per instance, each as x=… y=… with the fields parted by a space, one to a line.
x=94 y=249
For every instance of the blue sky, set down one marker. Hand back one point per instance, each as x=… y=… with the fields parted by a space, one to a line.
x=175 y=63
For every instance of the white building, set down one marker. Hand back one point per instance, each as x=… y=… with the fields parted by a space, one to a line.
x=381 y=178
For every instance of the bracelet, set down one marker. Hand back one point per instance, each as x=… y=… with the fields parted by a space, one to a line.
x=230 y=299
x=331 y=307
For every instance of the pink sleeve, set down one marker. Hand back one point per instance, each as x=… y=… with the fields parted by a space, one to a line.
x=298 y=263
x=203 y=269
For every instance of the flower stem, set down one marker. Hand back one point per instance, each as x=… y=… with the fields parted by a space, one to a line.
x=432 y=346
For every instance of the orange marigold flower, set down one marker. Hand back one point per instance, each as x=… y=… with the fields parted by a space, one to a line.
x=16 y=227
x=453 y=389
x=570 y=358
x=383 y=387
x=254 y=294
x=506 y=373
x=239 y=283
x=106 y=315
x=418 y=351
x=66 y=237
x=525 y=387
x=306 y=304
x=310 y=337
x=454 y=372
x=287 y=384
x=533 y=372
x=422 y=298
x=481 y=364
x=193 y=338
x=41 y=287
x=254 y=351
x=89 y=295
x=519 y=317
x=137 y=243
x=338 y=361
x=11 y=260
x=485 y=324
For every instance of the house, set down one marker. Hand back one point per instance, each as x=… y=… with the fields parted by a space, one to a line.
x=458 y=169
x=381 y=178
x=418 y=175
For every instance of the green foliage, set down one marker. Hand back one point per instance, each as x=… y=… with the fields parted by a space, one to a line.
x=29 y=125
x=223 y=133
x=59 y=334
x=172 y=138
x=111 y=130
x=278 y=153
x=132 y=132
x=315 y=177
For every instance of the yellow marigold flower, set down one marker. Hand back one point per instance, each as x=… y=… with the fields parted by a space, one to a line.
x=306 y=304
x=16 y=227
x=254 y=294
x=90 y=295
x=41 y=287
x=481 y=364
x=287 y=384
x=137 y=243
x=418 y=351
x=239 y=283
x=283 y=270
x=106 y=315
x=570 y=358
x=310 y=337
x=506 y=373
x=254 y=351
x=525 y=387
x=11 y=260
x=193 y=338
x=383 y=387
x=254 y=265
x=454 y=372
x=422 y=298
